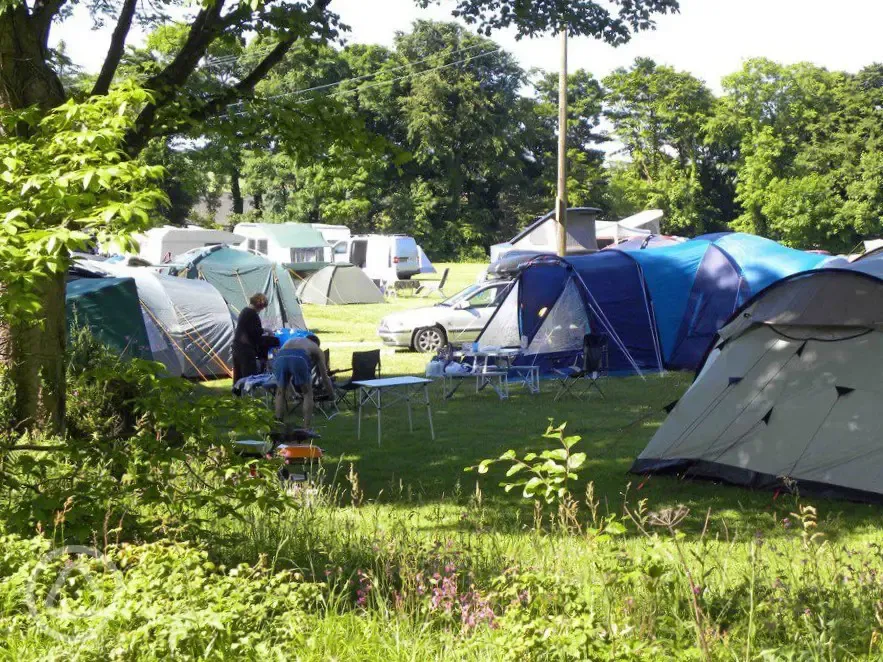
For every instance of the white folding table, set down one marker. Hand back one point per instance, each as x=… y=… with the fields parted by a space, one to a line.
x=398 y=389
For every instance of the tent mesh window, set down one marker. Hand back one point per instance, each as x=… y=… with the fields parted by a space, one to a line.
x=503 y=329
x=565 y=325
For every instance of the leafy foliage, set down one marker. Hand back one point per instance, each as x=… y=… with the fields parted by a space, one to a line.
x=544 y=475
x=67 y=183
x=144 y=450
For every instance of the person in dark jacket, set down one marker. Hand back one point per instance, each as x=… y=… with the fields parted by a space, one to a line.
x=247 y=338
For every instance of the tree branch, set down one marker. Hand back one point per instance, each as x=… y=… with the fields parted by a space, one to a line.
x=203 y=31
x=206 y=27
x=43 y=13
x=117 y=47
x=246 y=86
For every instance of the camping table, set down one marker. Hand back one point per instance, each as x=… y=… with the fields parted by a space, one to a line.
x=487 y=369
x=371 y=392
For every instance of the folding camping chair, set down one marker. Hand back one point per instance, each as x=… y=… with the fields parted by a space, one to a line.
x=428 y=287
x=366 y=365
x=325 y=402
x=588 y=369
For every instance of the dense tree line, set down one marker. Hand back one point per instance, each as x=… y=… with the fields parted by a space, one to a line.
x=445 y=137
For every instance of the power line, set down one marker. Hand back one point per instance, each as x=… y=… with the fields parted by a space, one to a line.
x=366 y=76
x=370 y=85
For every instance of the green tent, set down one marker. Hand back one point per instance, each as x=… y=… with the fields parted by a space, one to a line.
x=110 y=308
x=339 y=284
x=238 y=274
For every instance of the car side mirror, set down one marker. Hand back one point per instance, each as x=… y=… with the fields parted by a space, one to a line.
x=461 y=305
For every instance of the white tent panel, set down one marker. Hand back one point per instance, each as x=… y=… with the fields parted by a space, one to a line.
x=565 y=325
x=503 y=328
x=426 y=267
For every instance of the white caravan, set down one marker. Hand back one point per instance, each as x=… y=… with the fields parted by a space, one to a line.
x=160 y=245
x=338 y=237
x=285 y=243
x=385 y=257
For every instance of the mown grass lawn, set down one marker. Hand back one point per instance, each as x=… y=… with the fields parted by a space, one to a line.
x=470 y=427
x=698 y=571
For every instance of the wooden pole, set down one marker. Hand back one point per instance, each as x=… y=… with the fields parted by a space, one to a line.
x=561 y=200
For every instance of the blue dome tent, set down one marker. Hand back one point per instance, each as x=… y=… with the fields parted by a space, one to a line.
x=661 y=308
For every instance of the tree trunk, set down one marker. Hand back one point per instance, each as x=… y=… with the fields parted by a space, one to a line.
x=236 y=192
x=26 y=79
x=34 y=352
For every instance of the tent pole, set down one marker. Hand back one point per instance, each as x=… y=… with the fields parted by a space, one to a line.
x=561 y=201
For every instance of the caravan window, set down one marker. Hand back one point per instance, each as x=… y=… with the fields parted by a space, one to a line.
x=251 y=244
x=262 y=246
x=299 y=255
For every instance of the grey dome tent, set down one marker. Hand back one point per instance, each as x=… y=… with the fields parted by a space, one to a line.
x=109 y=308
x=237 y=274
x=188 y=324
x=339 y=284
x=790 y=391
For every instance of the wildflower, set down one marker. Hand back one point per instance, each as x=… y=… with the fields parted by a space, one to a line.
x=697 y=590
x=807 y=612
x=786 y=523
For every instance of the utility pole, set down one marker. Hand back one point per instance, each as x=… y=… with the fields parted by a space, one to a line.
x=561 y=200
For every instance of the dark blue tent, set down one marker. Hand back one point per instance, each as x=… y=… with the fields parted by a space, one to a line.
x=661 y=308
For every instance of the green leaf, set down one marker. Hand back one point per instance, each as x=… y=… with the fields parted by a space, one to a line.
x=514 y=469
x=531 y=486
x=576 y=460
x=570 y=441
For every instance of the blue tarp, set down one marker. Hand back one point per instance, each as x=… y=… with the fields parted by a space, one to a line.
x=662 y=306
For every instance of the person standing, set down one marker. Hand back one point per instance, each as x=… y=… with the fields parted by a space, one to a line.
x=293 y=367
x=247 y=338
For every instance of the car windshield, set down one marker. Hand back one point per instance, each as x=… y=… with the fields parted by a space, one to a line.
x=462 y=295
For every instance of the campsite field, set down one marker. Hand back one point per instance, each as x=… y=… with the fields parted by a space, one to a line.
x=470 y=427
x=697 y=570
x=399 y=554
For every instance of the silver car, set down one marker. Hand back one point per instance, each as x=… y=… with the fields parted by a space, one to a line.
x=458 y=319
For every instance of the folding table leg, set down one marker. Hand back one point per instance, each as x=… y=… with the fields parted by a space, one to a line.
x=408 y=395
x=428 y=410
x=359 y=424
x=379 y=409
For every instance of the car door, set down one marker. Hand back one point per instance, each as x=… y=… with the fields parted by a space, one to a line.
x=467 y=323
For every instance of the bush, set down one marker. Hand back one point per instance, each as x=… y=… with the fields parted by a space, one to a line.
x=144 y=453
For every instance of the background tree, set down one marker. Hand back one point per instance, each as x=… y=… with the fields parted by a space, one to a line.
x=659 y=115
x=586 y=176
x=807 y=152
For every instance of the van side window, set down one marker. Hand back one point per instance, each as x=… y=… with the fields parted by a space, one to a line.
x=262 y=246
x=251 y=244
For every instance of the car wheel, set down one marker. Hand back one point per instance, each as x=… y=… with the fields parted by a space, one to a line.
x=430 y=339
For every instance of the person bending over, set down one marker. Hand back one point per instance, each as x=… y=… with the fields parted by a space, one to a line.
x=247 y=338
x=293 y=367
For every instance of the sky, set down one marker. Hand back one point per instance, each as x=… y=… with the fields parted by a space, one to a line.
x=708 y=38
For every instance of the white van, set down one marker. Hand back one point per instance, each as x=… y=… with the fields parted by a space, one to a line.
x=385 y=257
